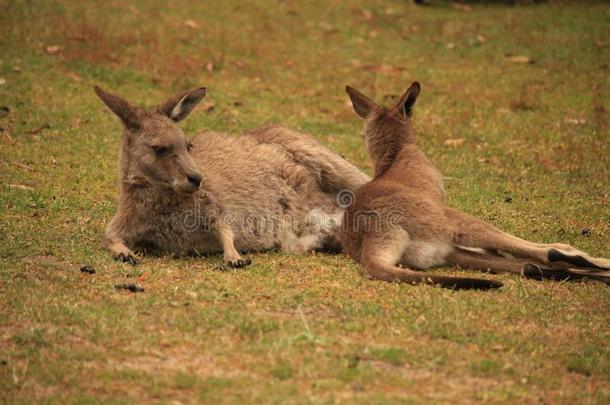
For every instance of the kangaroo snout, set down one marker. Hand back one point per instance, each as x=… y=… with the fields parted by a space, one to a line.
x=194 y=179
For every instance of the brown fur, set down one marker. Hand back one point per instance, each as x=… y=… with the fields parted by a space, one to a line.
x=270 y=188
x=400 y=218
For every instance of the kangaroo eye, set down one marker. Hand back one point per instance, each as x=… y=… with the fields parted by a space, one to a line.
x=160 y=150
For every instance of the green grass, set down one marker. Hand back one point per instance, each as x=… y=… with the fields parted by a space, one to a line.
x=302 y=329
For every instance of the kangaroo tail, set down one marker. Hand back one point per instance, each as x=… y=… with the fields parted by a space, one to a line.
x=392 y=273
x=332 y=171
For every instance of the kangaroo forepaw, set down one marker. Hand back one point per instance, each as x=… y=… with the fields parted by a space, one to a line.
x=126 y=258
x=233 y=264
x=239 y=263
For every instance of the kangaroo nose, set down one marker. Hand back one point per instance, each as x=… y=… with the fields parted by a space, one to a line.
x=194 y=179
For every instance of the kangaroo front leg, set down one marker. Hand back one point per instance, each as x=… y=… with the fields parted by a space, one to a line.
x=231 y=255
x=117 y=247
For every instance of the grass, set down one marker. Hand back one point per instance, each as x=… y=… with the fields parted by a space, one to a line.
x=528 y=151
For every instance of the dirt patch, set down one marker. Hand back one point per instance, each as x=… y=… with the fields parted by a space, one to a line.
x=161 y=361
x=47 y=261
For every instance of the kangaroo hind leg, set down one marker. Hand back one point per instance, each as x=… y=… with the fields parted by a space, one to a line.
x=474 y=233
x=528 y=268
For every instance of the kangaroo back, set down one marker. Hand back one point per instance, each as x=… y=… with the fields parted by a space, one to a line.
x=332 y=171
x=402 y=206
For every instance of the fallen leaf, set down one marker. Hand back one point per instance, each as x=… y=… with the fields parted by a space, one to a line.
x=390 y=97
x=575 y=121
x=2 y=81
x=520 y=59
x=453 y=142
x=39 y=129
x=192 y=24
x=209 y=66
x=366 y=15
x=492 y=160
x=53 y=49
x=373 y=34
x=481 y=38
x=549 y=164
x=461 y=6
x=450 y=45
x=23 y=166
x=19 y=186
x=521 y=105
x=74 y=76
x=208 y=106
x=383 y=68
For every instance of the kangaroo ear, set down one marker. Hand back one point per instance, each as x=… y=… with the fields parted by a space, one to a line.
x=129 y=115
x=177 y=108
x=407 y=101
x=362 y=104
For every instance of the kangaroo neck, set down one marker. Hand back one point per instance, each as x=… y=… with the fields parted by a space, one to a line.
x=411 y=167
x=392 y=156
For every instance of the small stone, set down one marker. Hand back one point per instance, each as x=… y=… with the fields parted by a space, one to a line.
x=87 y=268
x=131 y=287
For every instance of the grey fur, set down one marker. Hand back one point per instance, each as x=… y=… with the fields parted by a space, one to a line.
x=412 y=227
x=269 y=188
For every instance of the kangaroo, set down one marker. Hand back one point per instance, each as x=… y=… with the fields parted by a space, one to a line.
x=270 y=188
x=399 y=218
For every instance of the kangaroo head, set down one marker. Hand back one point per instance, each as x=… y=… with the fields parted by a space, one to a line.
x=155 y=150
x=386 y=129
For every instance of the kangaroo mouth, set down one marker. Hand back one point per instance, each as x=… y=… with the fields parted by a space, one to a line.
x=185 y=187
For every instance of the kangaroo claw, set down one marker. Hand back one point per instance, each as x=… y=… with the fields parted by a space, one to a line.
x=233 y=264
x=127 y=258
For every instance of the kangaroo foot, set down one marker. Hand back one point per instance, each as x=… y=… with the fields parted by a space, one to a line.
x=539 y=273
x=576 y=260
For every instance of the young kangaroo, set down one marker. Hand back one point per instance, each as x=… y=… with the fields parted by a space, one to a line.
x=399 y=218
x=272 y=188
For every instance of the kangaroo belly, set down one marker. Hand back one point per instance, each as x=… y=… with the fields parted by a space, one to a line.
x=423 y=255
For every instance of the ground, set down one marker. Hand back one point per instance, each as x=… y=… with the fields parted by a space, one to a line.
x=513 y=111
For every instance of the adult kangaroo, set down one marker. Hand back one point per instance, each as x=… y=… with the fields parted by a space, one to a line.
x=400 y=218
x=270 y=188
